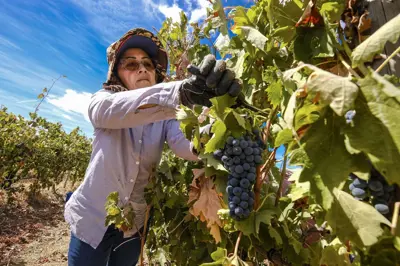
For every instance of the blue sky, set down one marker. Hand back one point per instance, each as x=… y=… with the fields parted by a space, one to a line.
x=43 y=39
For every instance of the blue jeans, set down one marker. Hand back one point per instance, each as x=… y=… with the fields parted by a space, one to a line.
x=113 y=250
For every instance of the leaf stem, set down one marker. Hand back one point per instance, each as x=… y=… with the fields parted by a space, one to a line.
x=395 y=217
x=283 y=177
x=237 y=244
x=47 y=93
x=351 y=70
x=388 y=59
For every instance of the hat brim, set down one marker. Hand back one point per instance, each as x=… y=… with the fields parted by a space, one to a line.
x=147 y=45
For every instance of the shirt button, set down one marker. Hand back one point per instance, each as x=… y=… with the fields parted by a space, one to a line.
x=131 y=180
x=140 y=141
x=137 y=163
x=126 y=198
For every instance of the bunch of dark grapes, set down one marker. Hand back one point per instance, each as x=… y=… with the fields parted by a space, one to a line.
x=376 y=191
x=241 y=157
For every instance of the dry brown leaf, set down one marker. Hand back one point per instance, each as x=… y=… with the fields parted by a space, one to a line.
x=207 y=202
x=339 y=70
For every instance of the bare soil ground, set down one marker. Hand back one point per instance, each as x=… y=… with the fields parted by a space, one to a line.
x=32 y=230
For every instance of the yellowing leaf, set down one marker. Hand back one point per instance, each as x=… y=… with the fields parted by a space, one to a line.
x=355 y=220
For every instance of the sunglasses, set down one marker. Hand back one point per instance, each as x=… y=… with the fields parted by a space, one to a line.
x=132 y=64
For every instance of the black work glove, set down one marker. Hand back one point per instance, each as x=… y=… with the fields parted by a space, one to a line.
x=213 y=80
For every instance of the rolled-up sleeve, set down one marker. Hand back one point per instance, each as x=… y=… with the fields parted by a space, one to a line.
x=124 y=109
x=178 y=143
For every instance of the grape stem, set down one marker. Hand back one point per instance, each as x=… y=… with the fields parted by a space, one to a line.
x=237 y=244
x=283 y=177
x=144 y=234
x=395 y=217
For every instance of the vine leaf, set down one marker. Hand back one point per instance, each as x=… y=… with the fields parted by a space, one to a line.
x=251 y=225
x=335 y=253
x=275 y=93
x=218 y=138
x=325 y=160
x=366 y=51
x=375 y=129
x=284 y=136
x=355 y=220
x=332 y=10
x=337 y=92
x=206 y=202
x=252 y=35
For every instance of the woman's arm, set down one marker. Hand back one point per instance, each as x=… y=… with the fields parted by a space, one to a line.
x=134 y=108
x=178 y=142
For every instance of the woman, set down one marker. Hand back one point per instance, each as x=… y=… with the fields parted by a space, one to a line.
x=133 y=115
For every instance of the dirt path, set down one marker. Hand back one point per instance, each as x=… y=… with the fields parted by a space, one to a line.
x=33 y=231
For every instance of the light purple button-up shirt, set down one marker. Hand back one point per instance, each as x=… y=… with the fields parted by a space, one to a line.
x=127 y=146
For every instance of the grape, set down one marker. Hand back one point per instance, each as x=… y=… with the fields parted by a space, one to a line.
x=351 y=186
x=229 y=151
x=256 y=151
x=236 y=160
x=218 y=154
x=237 y=191
x=236 y=200
x=375 y=185
x=251 y=177
x=359 y=183
x=244 y=196
x=248 y=151
x=250 y=158
x=239 y=169
x=244 y=144
x=382 y=208
x=352 y=257
x=244 y=183
x=234 y=182
x=235 y=142
x=244 y=204
x=229 y=140
x=239 y=211
x=242 y=156
x=257 y=159
x=246 y=213
x=358 y=192
x=232 y=205
x=237 y=150
x=251 y=194
x=388 y=188
x=378 y=193
x=252 y=170
x=246 y=166
x=250 y=201
x=256 y=131
x=229 y=189
x=229 y=162
x=224 y=159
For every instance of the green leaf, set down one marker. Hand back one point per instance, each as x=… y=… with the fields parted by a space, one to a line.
x=325 y=160
x=221 y=103
x=366 y=51
x=238 y=68
x=251 y=225
x=274 y=234
x=220 y=257
x=312 y=43
x=44 y=90
x=40 y=96
x=211 y=161
x=275 y=93
x=217 y=141
x=375 y=128
x=252 y=35
x=286 y=34
x=335 y=253
x=332 y=10
x=355 y=220
x=241 y=121
x=187 y=120
x=308 y=114
x=113 y=210
x=284 y=136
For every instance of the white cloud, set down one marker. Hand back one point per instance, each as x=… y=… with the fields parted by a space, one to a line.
x=171 y=12
x=201 y=11
x=7 y=43
x=72 y=102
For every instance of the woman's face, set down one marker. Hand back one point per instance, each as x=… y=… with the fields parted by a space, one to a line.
x=136 y=70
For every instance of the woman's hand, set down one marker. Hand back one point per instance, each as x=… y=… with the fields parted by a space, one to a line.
x=212 y=79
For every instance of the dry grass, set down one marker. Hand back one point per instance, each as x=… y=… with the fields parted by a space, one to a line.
x=33 y=230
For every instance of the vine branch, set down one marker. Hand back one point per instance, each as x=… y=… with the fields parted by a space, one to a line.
x=395 y=217
x=142 y=239
x=47 y=93
x=388 y=59
x=237 y=244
